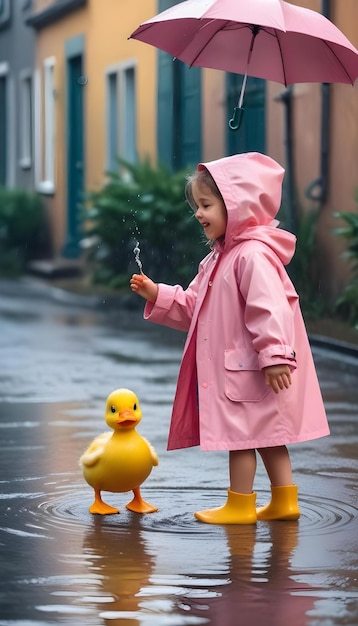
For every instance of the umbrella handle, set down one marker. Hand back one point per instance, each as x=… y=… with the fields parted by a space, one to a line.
x=236 y=119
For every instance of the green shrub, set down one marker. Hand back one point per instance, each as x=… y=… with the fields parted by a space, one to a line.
x=22 y=227
x=144 y=204
x=347 y=303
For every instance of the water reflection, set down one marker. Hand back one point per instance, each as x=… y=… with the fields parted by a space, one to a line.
x=240 y=571
x=118 y=557
x=262 y=583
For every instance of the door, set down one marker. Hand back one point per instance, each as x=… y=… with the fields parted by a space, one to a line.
x=250 y=137
x=75 y=154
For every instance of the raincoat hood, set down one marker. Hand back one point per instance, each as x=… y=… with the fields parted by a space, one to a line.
x=251 y=187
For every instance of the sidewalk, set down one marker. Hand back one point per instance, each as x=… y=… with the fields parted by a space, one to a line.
x=338 y=335
x=324 y=333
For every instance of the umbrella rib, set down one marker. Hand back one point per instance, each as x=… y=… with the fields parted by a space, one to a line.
x=220 y=27
x=281 y=55
x=326 y=44
x=338 y=60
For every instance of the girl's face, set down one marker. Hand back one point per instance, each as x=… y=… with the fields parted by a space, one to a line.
x=210 y=211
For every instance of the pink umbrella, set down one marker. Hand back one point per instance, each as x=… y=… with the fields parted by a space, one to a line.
x=201 y=20
x=269 y=39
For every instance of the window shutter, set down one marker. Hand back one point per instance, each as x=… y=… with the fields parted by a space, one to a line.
x=251 y=135
x=165 y=118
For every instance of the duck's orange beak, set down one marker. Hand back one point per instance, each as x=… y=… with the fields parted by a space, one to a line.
x=126 y=418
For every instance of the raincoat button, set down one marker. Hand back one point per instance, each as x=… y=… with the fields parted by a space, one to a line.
x=210 y=283
x=241 y=365
x=293 y=354
x=204 y=385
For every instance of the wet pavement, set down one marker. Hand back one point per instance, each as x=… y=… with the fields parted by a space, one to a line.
x=61 y=565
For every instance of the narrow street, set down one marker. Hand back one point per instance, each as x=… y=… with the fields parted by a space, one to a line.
x=59 y=360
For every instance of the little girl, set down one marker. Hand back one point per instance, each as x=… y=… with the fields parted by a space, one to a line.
x=247 y=380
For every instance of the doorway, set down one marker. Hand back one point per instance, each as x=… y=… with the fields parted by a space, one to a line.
x=76 y=83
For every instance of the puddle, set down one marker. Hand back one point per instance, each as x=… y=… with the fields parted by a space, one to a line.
x=61 y=565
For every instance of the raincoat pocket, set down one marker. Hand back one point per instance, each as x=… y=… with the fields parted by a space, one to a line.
x=244 y=381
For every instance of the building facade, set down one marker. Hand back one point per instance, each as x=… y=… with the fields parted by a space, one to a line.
x=77 y=94
x=16 y=95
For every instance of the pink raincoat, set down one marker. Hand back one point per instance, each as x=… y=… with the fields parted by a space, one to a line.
x=242 y=314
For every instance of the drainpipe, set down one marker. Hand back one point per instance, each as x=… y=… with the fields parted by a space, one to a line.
x=289 y=187
x=317 y=189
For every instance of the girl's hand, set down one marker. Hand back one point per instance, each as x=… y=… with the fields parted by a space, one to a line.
x=144 y=286
x=278 y=377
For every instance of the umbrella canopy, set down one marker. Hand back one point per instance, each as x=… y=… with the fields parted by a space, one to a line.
x=201 y=20
x=291 y=44
x=269 y=39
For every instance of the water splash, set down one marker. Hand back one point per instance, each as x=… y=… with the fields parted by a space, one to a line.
x=136 y=252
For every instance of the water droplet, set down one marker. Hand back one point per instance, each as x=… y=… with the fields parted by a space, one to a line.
x=136 y=252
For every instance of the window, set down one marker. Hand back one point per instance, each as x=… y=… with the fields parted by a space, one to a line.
x=179 y=113
x=26 y=131
x=49 y=123
x=45 y=128
x=3 y=134
x=4 y=12
x=128 y=126
x=112 y=122
x=121 y=138
x=4 y=124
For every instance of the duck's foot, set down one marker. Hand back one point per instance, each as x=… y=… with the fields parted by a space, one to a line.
x=138 y=505
x=141 y=507
x=101 y=508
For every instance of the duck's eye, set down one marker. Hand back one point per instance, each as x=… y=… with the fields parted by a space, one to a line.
x=135 y=407
x=113 y=409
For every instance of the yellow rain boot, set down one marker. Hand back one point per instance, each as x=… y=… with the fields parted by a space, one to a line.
x=283 y=505
x=239 y=509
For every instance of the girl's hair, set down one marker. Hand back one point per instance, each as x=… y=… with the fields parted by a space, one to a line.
x=202 y=177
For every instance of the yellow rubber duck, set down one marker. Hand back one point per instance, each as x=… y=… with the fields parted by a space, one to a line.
x=122 y=460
